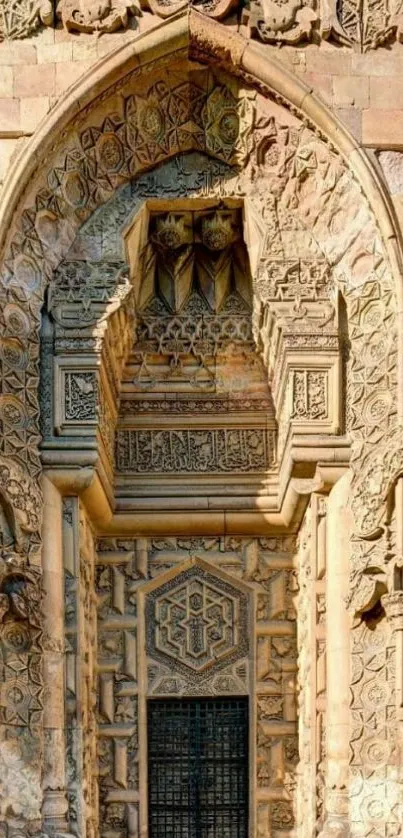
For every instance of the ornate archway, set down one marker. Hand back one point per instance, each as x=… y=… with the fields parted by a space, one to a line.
x=188 y=123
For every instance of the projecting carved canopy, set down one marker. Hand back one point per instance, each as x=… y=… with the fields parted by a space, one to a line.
x=193 y=368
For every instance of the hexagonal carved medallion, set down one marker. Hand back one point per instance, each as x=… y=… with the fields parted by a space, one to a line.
x=198 y=621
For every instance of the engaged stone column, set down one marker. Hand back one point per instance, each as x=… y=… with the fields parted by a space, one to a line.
x=339 y=528
x=55 y=805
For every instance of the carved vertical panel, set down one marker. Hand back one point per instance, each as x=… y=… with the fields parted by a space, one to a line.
x=120 y=570
x=374 y=789
x=21 y=698
x=81 y=628
x=269 y=566
x=312 y=666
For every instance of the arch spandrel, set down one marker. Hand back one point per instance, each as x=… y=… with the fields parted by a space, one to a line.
x=310 y=199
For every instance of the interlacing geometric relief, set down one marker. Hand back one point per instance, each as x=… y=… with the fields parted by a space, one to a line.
x=196 y=625
x=311 y=617
x=119 y=572
x=21 y=18
x=198 y=641
x=80 y=667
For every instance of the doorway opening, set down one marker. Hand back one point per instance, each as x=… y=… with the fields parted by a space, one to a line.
x=198 y=767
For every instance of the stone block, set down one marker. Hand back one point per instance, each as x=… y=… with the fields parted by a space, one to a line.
x=382 y=128
x=67 y=74
x=16 y=52
x=85 y=48
x=386 y=92
x=6 y=81
x=379 y=63
x=321 y=84
x=351 y=118
x=10 y=122
x=7 y=149
x=33 y=111
x=34 y=80
x=324 y=61
x=351 y=91
x=53 y=53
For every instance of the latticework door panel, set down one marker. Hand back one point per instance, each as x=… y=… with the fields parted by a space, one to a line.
x=198 y=768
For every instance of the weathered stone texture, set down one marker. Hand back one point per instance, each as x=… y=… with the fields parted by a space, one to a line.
x=200 y=408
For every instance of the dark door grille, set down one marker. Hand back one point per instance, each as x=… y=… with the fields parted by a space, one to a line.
x=198 y=768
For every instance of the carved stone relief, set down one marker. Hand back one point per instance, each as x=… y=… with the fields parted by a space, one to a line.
x=80 y=651
x=21 y=18
x=90 y=16
x=193 y=451
x=366 y=26
x=197 y=625
x=199 y=640
x=311 y=207
x=21 y=694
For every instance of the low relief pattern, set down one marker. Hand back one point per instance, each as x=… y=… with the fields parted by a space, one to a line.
x=198 y=642
x=119 y=572
x=226 y=450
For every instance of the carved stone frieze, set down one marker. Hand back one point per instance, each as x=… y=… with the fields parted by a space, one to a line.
x=199 y=450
